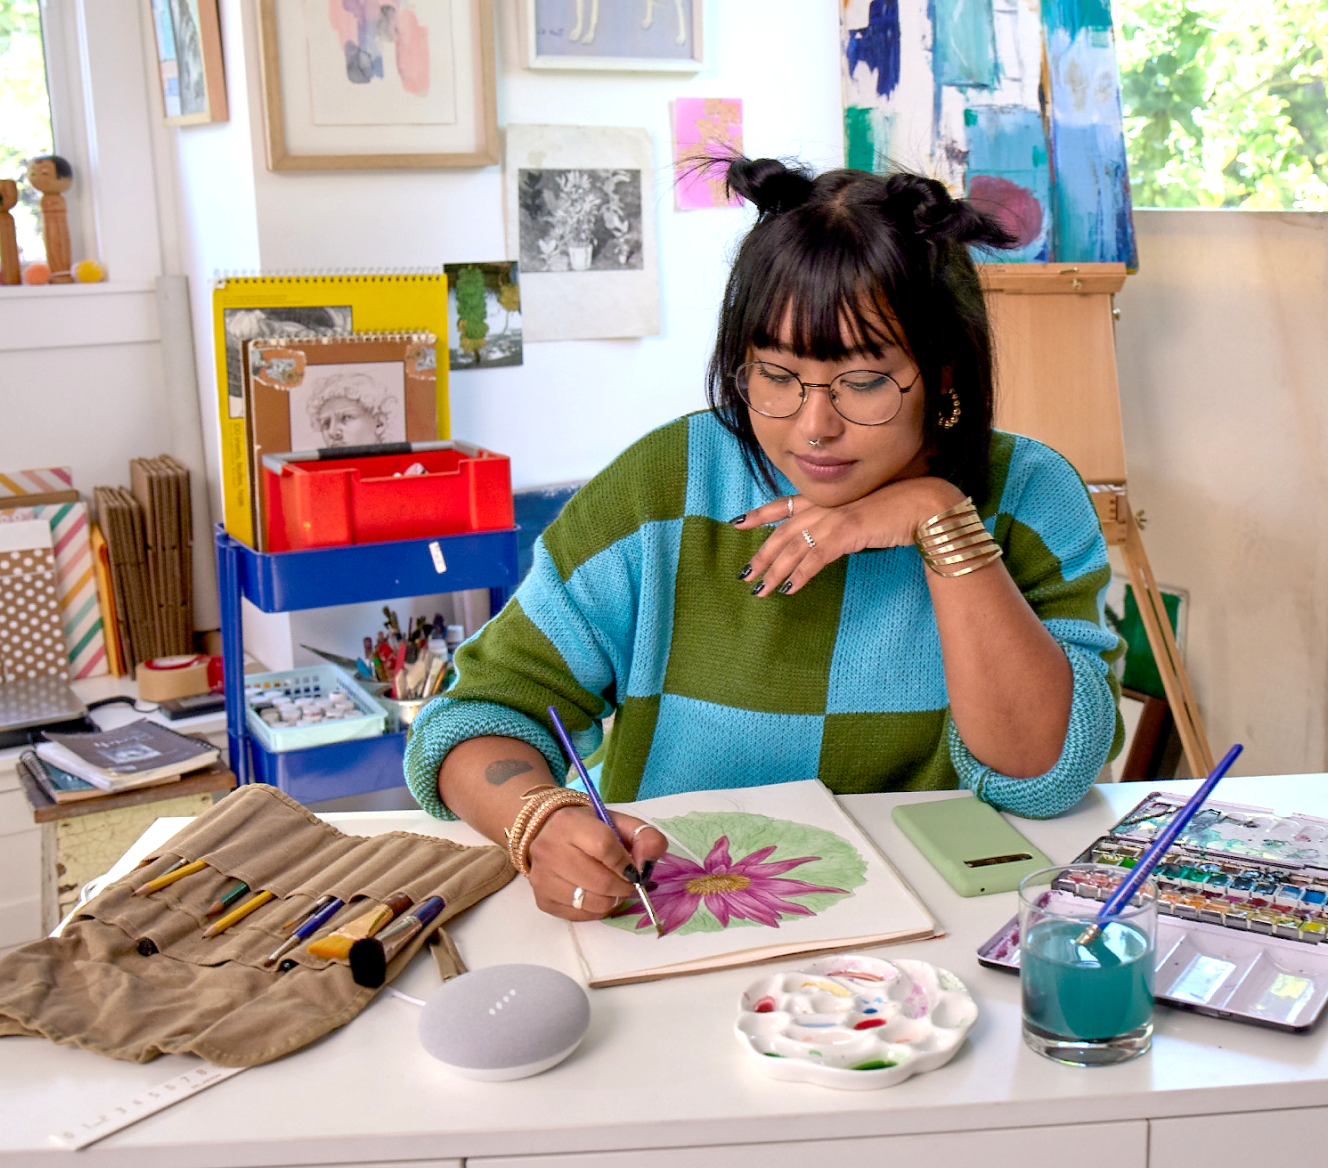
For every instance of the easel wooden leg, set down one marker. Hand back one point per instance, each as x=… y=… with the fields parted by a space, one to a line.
x=1175 y=680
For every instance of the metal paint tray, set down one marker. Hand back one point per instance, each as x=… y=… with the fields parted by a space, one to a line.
x=1259 y=959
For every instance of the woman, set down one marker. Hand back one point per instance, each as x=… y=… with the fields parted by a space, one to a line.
x=793 y=583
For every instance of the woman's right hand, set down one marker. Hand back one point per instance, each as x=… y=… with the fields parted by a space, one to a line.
x=575 y=850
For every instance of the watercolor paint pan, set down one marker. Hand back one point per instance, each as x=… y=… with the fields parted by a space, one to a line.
x=1241 y=932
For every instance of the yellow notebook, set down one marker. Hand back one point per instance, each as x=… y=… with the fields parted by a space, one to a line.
x=245 y=308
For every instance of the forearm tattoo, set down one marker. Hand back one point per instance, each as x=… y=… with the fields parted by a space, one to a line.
x=499 y=772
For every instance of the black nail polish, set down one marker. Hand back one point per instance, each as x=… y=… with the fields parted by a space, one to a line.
x=784 y=587
x=738 y=518
x=757 y=590
x=646 y=869
x=747 y=571
x=631 y=875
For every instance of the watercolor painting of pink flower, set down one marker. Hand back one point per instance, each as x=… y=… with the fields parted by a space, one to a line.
x=753 y=889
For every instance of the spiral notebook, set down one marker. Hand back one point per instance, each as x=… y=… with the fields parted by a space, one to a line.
x=250 y=307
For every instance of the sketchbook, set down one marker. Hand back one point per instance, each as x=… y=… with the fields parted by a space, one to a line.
x=751 y=875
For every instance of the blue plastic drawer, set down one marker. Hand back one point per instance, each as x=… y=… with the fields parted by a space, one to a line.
x=334 y=770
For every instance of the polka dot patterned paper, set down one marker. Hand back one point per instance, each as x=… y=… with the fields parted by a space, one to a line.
x=32 y=643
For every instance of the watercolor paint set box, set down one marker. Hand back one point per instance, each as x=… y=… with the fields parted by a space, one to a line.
x=1242 y=928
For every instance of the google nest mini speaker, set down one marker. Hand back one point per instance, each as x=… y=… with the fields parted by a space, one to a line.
x=505 y=1022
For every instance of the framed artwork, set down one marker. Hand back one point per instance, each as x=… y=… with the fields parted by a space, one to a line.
x=628 y=35
x=189 y=61
x=483 y=314
x=580 y=204
x=411 y=87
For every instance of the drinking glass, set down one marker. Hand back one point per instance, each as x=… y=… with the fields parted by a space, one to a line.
x=1087 y=995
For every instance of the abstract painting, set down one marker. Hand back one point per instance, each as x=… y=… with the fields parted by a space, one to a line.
x=704 y=128
x=1015 y=104
x=483 y=314
x=378 y=64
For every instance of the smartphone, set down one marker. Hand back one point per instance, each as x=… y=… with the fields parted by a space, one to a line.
x=970 y=843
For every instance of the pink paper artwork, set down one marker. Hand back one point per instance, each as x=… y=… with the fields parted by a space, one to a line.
x=704 y=127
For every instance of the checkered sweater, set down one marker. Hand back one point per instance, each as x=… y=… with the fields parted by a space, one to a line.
x=633 y=606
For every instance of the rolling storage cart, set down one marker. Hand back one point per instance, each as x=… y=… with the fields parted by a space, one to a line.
x=350 y=574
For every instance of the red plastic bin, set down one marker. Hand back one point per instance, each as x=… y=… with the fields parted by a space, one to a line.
x=326 y=501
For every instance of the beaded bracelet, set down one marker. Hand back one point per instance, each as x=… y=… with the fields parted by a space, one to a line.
x=955 y=542
x=540 y=803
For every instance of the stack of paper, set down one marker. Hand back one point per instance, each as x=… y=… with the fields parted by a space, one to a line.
x=140 y=754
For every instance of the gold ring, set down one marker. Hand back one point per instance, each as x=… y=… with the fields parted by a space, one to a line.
x=578 y=898
x=807 y=535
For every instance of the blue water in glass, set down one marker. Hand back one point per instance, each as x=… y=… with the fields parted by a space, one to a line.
x=1077 y=992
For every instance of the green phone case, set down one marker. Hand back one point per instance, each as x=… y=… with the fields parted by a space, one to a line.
x=970 y=843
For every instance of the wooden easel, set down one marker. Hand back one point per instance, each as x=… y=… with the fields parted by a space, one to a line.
x=1056 y=382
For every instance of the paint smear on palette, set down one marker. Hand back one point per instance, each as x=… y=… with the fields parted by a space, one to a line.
x=1009 y=176
x=1091 y=199
x=877 y=45
x=964 y=52
x=704 y=128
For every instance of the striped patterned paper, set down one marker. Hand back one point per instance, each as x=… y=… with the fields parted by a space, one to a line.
x=75 y=583
x=36 y=482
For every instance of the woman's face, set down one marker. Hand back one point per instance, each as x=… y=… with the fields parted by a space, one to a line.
x=849 y=460
x=343 y=422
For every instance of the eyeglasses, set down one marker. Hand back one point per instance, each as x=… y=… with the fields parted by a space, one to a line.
x=864 y=397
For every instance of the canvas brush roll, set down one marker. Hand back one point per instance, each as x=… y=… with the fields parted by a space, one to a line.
x=133 y=976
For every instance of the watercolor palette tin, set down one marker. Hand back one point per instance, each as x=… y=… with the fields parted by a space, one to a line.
x=1243 y=910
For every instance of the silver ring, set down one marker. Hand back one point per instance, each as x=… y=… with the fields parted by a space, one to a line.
x=640 y=828
x=578 y=898
x=790 y=506
x=807 y=535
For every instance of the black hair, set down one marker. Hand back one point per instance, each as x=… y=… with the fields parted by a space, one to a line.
x=62 y=167
x=858 y=249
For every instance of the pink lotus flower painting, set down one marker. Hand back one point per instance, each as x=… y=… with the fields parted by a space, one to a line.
x=708 y=890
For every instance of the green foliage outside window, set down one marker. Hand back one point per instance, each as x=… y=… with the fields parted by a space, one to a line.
x=1224 y=102
x=25 y=109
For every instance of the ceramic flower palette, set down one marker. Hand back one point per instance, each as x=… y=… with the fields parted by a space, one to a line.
x=855 y=1022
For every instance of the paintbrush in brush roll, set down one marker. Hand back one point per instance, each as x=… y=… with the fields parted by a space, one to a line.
x=630 y=874
x=1149 y=860
x=370 y=956
x=336 y=946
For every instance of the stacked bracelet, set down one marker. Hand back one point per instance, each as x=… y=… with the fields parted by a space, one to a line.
x=538 y=804
x=955 y=542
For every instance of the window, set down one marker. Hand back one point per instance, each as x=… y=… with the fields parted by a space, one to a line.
x=1224 y=102
x=25 y=111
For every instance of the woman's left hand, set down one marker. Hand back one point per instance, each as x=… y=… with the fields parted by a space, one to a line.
x=813 y=536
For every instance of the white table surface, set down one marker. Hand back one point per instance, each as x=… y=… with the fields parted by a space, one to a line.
x=660 y=1066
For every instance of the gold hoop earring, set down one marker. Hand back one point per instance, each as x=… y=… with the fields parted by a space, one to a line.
x=947 y=421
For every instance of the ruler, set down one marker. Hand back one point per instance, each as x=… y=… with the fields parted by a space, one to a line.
x=145 y=1103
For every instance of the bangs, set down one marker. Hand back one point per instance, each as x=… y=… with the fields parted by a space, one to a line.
x=823 y=305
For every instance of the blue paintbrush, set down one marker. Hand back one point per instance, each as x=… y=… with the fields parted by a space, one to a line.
x=630 y=873
x=1149 y=860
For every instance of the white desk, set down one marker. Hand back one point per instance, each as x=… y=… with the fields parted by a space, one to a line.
x=661 y=1082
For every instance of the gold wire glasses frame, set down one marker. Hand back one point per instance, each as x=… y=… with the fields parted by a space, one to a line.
x=868 y=393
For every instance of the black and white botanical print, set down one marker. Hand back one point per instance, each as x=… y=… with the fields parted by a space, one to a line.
x=580 y=220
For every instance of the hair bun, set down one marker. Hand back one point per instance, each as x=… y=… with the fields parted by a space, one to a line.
x=923 y=207
x=769 y=184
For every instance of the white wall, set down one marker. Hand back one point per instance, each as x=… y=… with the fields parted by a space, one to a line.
x=1223 y=347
